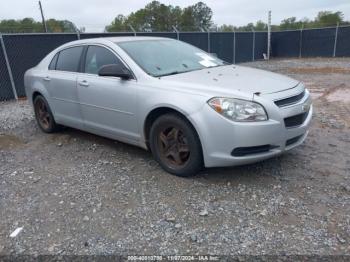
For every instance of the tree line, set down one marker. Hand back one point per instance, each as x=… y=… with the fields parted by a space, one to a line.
x=157 y=17
x=29 y=25
x=323 y=19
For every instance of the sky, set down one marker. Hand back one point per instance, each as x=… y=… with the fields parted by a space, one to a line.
x=95 y=14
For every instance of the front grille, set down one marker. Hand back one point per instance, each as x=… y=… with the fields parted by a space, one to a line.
x=244 y=151
x=290 y=100
x=294 y=121
x=293 y=140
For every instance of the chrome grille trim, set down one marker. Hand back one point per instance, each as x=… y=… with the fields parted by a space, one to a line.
x=290 y=100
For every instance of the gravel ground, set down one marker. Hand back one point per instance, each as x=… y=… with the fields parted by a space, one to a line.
x=77 y=193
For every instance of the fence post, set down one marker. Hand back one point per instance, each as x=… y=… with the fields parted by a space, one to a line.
x=177 y=32
x=253 y=56
x=234 y=47
x=78 y=33
x=269 y=36
x=8 y=67
x=132 y=29
x=208 y=40
x=301 y=40
x=335 y=40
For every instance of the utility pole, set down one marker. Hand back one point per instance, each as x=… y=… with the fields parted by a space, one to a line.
x=42 y=17
x=269 y=36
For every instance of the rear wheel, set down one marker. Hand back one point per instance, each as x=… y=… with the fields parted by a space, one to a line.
x=44 y=115
x=175 y=145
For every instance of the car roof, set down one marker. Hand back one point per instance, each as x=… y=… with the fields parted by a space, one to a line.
x=133 y=38
x=109 y=40
x=115 y=39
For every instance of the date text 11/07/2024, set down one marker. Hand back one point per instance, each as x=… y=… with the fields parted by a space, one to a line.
x=173 y=258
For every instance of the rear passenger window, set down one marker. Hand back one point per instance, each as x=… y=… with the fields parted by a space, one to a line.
x=52 y=65
x=96 y=57
x=69 y=59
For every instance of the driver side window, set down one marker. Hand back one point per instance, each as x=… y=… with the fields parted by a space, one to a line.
x=96 y=57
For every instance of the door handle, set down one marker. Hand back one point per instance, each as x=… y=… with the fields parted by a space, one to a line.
x=47 y=78
x=84 y=83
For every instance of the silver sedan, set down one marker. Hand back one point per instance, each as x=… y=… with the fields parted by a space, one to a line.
x=189 y=108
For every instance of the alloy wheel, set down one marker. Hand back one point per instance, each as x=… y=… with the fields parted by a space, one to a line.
x=173 y=147
x=43 y=114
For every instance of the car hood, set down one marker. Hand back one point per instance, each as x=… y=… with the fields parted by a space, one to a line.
x=231 y=77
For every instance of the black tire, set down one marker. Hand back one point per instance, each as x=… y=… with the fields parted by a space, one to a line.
x=176 y=146
x=43 y=115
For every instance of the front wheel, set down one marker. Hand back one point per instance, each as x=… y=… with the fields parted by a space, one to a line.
x=175 y=145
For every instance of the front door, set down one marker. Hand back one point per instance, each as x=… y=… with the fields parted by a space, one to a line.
x=108 y=104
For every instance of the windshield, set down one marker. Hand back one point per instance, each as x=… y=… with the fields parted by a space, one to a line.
x=168 y=57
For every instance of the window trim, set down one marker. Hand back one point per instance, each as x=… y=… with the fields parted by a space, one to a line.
x=59 y=53
x=54 y=67
x=83 y=54
x=83 y=67
x=58 y=56
x=87 y=45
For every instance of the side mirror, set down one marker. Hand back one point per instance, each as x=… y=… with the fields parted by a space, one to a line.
x=115 y=70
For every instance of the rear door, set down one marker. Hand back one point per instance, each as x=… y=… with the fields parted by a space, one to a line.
x=62 y=79
x=108 y=104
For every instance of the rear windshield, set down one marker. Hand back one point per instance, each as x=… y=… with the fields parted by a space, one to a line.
x=168 y=57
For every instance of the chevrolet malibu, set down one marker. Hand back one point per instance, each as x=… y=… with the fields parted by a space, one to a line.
x=189 y=108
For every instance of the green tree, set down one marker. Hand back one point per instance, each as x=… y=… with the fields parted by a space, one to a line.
x=29 y=25
x=187 y=22
x=26 y=25
x=118 y=25
x=290 y=23
x=328 y=18
x=60 y=26
x=260 y=26
x=226 y=28
x=8 y=26
x=202 y=15
x=156 y=16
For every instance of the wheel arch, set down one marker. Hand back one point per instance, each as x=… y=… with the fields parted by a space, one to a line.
x=159 y=111
x=35 y=94
x=37 y=88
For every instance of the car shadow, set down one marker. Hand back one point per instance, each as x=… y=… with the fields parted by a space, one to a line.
x=266 y=171
x=106 y=142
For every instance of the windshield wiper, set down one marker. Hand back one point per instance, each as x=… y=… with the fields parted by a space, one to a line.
x=172 y=73
x=180 y=72
x=223 y=64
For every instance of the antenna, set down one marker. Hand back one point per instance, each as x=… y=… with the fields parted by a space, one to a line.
x=42 y=17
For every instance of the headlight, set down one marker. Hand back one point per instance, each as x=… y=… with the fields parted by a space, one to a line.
x=238 y=110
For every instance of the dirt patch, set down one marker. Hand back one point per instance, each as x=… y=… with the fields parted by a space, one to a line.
x=319 y=70
x=339 y=95
x=10 y=142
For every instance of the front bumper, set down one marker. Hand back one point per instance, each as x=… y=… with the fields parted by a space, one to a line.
x=220 y=136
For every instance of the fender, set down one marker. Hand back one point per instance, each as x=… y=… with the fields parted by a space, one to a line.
x=33 y=85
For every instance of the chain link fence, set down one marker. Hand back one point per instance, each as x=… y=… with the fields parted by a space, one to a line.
x=6 y=88
x=26 y=50
x=343 y=42
x=322 y=42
